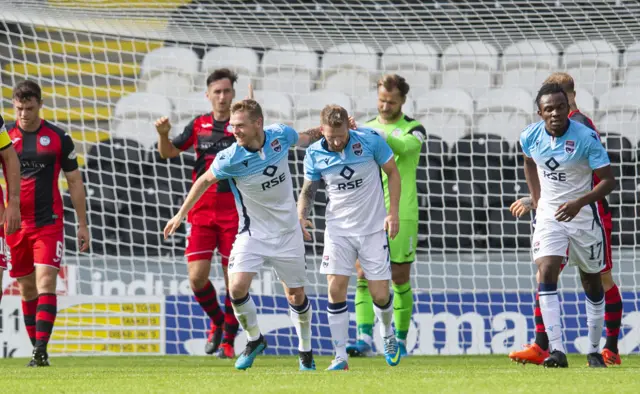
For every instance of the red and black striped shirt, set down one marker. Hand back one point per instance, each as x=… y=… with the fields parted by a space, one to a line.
x=42 y=153
x=208 y=137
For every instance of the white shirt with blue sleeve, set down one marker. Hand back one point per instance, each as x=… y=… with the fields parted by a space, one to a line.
x=261 y=184
x=565 y=168
x=354 y=188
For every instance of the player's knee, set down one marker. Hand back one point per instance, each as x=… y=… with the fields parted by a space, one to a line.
x=239 y=286
x=592 y=285
x=296 y=296
x=548 y=271
x=46 y=282
x=379 y=294
x=607 y=281
x=400 y=273
x=27 y=287
x=197 y=283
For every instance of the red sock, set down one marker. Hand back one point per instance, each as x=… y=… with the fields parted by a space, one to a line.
x=612 y=317
x=542 y=339
x=45 y=317
x=29 y=315
x=231 y=324
x=207 y=299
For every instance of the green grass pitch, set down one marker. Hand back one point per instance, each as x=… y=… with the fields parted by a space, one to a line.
x=451 y=374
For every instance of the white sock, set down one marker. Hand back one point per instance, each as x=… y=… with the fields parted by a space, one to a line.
x=385 y=315
x=247 y=315
x=301 y=318
x=550 y=308
x=595 y=322
x=338 y=317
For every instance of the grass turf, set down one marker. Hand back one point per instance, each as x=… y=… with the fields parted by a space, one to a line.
x=174 y=374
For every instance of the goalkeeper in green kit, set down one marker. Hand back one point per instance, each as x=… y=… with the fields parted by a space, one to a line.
x=405 y=136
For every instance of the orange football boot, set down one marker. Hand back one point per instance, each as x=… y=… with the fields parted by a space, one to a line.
x=226 y=351
x=611 y=358
x=530 y=354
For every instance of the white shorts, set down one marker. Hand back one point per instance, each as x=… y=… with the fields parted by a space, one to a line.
x=586 y=248
x=340 y=254
x=285 y=254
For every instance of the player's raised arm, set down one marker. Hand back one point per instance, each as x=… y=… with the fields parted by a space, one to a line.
x=197 y=190
x=309 y=136
x=166 y=148
x=392 y=220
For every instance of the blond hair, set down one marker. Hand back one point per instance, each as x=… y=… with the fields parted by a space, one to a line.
x=563 y=79
x=334 y=116
x=251 y=107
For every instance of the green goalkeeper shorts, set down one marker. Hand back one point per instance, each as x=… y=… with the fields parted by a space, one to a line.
x=402 y=248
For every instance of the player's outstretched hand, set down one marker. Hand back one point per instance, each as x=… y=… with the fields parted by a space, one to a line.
x=84 y=239
x=250 y=93
x=11 y=217
x=172 y=225
x=392 y=225
x=521 y=207
x=567 y=211
x=163 y=125
x=305 y=224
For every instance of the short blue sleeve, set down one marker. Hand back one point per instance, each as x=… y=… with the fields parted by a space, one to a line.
x=598 y=156
x=382 y=152
x=289 y=133
x=221 y=166
x=524 y=142
x=310 y=171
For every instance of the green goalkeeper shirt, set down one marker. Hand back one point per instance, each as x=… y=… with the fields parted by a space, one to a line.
x=405 y=137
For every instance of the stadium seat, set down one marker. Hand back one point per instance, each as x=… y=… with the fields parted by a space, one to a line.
x=586 y=102
x=116 y=153
x=527 y=63
x=504 y=112
x=446 y=113
x=177 y=60
x=366 y=106
x=243 y=61
x=141 y=130
x=469 y=65
x=631 y=65
x=276 y=107
x=186 y=107
x=415 y=61
x=349 y=68
x=169 y=85
x=620 y=109
x=290 y=69
x=592 y=65
x=142 y=106
x=308 y=107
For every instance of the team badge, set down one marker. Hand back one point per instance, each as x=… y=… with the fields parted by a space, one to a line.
x=45 y=141
x=569 y=146
x=396 y=132
x=357 y=149
x=325 y=261
x=536 y=247
x=275 y=145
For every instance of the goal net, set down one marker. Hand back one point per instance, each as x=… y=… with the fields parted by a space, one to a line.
x=110 y=68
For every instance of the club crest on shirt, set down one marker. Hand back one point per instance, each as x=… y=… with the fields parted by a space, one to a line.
x=45 y=141
x=357 y=149
x=275 y=145
x=396 y=132
x=569 y=146
x=536 y=247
